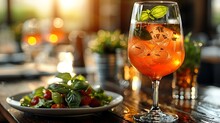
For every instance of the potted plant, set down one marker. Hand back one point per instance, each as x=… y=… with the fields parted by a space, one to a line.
x=105 y=46
x=106 y=42
x=184 y=82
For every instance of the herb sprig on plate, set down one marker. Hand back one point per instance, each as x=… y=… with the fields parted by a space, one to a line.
x=70 y=92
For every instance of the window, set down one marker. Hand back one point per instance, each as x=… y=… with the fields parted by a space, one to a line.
x=75 y=13
x=215 y=12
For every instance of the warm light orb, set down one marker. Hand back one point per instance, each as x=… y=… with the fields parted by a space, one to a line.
x=53 y=38
x=56 y=34
x=58 y=23
x=32 y=40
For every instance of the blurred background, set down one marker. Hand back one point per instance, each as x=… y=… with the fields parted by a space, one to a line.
x=36 y=30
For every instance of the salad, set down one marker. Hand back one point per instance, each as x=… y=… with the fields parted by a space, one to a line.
x=71 y=92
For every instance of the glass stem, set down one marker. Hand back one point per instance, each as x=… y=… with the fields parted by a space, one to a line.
x=155 y=87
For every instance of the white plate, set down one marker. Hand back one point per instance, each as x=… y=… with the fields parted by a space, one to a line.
x=13 y=101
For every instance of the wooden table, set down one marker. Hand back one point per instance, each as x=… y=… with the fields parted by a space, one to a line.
x=206 y=109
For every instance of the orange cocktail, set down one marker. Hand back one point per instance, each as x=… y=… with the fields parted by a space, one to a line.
x=156 y=49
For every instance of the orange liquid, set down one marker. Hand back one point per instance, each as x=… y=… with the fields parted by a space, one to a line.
x=159 y=55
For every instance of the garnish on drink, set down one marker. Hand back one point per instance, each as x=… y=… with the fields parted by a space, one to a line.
x=155 y=13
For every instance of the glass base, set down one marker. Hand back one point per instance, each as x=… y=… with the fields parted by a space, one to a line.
x=155 y=116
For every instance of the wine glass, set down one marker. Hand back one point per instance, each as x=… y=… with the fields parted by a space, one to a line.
x=156 y=48
x=31 y=39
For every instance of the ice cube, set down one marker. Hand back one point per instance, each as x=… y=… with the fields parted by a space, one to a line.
x=159 y=54
x=140 y=49
x=160 y=35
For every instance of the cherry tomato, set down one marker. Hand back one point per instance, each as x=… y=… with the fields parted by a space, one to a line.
x=86 y=92
x=47 y=94
x=85 y=100
x=58 y=106
x=95 y=102
x=35 y=100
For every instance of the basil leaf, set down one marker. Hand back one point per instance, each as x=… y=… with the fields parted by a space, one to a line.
x=60 y=88
x=73 y=99
x=144 y=16
x=25 y=101
x=48 y=103
x=80 y=85
x=79 y=77
x=142 y=33
x=159 y=11
x=106 y=100
x=38 y=92
x=100 y=95
x=64 y=76
x=155 y=13
x=57 y=98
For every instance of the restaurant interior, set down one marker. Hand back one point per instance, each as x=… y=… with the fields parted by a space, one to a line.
x=79 y=21
x=41 y=38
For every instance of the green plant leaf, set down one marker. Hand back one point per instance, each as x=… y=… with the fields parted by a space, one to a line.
x=38 y=92
x=159 y=11
x=60 y=88
x=64 y=76
x=57 y=98
x=156 y=12
x=142 y=33
x=192 y=54
x=73 y=99
x=48 y=103
x=80 y=85
x=26 y=100
x=144 y=15
x=39 y=104
x=79 y=77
